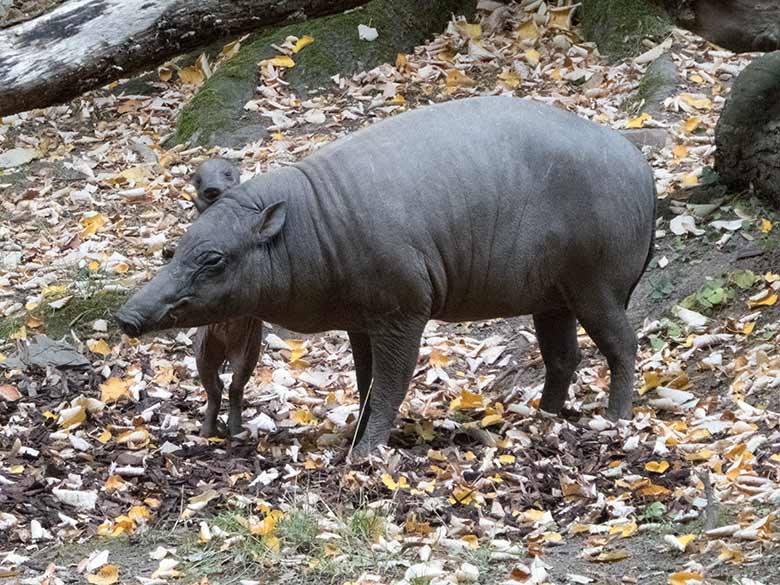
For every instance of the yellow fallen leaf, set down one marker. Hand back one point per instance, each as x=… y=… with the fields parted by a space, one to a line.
x=19 y=335
x=107 y=575
x=115 y=483
x=438 y=359
x=113 y=389
x=456 y=79
x=691 y=124
x=401 y=61
x=506 y=459
x=698 y=102
x=98 y=346
x=771 y=277
x=680 y=151
x=639 y=121
x=192 y=75
x=302 y=42
x=94 y=266
x=104 y=437
x=303 y=416
x=140 y=513
x=690 y=180
x=492 y=419
x=766 y=226
x=16 y=469
x=472 y=31
x=561 y=17
x=472 y=540
x=462 y=495
x=657 y=466
x=556 y=74
x=467 y=400
x=624 y=530
x=766 y=299
x=54 y=291
x=138 y=438
x=273 y=543
x=532 y=56
x=72 y=416
x=528 y=31
x=121 y=267
x=509 y=79
x=393 y=485
x=230 y=50
x=651 y=380
x=92 y=224
x=282 y=61
x=165 y=72
x=612 y=557
x=696 y=78
x=685 y=578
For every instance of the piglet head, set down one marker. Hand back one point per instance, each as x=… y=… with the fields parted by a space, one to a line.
x=212 y=179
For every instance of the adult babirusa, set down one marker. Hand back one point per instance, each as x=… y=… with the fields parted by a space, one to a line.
x=473 y=209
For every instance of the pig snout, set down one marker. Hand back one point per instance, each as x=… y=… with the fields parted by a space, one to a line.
x=129 y=322
x=212 y=193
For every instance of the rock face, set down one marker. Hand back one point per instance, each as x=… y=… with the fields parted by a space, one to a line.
x=747 y=136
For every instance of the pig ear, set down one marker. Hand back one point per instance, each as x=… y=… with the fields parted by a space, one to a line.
x=271 y=221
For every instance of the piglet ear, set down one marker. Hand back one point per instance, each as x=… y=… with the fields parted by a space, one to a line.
x=271 y=221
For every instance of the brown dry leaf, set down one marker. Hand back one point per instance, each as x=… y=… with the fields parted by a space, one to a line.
x=9 y=393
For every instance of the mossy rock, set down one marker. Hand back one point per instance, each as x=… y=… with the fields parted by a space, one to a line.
x=618 y=26
x=216 y=112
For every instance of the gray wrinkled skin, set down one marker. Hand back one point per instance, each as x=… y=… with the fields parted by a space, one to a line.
x=473 y=209
x=236 y=341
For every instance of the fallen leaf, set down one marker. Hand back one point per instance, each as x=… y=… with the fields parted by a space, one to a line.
x=107 y=575
x=657 y=466
x=639 y=121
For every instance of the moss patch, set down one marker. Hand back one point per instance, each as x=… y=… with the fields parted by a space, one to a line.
x=402 y=24
x=78 y=314
x=618 y=26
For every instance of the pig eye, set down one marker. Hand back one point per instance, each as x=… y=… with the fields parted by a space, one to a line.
x=228 y=174
x=196 y=181
x=213 y=261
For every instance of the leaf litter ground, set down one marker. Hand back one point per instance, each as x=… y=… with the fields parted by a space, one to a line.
x=103 y=477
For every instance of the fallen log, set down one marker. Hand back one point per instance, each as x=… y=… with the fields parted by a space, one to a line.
x=83 y=44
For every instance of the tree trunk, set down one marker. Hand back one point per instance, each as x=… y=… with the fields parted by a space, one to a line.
x=619 y=26
x=747 y=137
x=83 y=44
x=216 y=114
